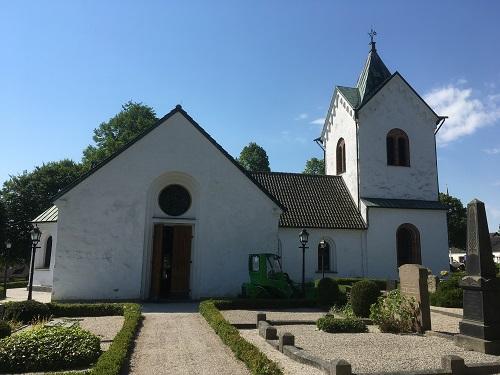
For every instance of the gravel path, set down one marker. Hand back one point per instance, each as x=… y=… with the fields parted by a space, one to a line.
x=175 y=339
x=377 y=352
x=289 y=366
x=106 y=327
x=444 y=323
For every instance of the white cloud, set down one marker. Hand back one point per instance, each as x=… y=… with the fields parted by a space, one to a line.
x=301 y=116
x=466 y=113
x=318 y=121
x=288 y=137
x=492 y=151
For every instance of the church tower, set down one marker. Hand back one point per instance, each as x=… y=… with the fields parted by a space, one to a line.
x=380 y=137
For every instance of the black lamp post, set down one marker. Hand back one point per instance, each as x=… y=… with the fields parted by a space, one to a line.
x=35 y=238
x=8 y=245
x=322 y=246
x=303 y=237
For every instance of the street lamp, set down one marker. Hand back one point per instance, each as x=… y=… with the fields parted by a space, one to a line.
x=322 y=246
x=8 y=245
x=303 y=238
x=35 y=239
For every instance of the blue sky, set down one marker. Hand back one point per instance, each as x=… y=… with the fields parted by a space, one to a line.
x=258 y=71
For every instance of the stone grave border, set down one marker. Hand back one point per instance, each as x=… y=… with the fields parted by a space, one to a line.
x=285 y=343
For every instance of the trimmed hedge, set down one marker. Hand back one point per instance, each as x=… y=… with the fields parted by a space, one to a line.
x=328 y=292
x=5 y=329
x=55 y=348
x=255 y=304
x=382 y=284
x=112 y=361
x=25 y=311
x=331 y=324
x=253 y=358
x=85 y=309
x=364 y=294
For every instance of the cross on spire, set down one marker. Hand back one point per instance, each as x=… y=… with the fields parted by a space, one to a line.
x=372 y=35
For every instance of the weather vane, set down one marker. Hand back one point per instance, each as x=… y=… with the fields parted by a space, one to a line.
x=372 y=34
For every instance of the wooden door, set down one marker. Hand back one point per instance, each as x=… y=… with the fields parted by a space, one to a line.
x=156 y=261
x=181 y=261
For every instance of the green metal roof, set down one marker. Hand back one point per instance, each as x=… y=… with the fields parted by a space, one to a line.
x=403 y=203
x=372 y=76
x=351 y=94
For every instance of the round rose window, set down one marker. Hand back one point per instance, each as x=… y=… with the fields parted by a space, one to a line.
x=174 y=200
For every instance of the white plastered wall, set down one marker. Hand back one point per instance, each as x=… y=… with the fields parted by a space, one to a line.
x=381 y=238
x=105 y=222
x=347 y=252
x=341 y=124
x=397 y=106
x=43 y=276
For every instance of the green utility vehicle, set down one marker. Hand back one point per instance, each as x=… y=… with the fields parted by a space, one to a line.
x=267 y=279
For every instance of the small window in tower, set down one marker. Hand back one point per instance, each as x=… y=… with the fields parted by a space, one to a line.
x=341 y=167
x=398 y=148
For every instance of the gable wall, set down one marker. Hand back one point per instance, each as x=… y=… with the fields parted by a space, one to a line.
x=105 y=222
x=396 y=106
x=341 y=124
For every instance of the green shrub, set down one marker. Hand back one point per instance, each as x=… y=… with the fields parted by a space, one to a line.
x=395 y=313
x=5 y=329
x=253 y=358
x=17 y=284
x=448 y=293
x=25 y=311
x=363 y=294
x=112 y=361
x=42 y=349
x=331 y=324
x=328 y=292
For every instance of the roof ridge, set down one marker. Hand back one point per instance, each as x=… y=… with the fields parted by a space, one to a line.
x=298 y=174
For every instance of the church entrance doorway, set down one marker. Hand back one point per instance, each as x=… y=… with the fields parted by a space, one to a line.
x=408 y=245
x=171 y=261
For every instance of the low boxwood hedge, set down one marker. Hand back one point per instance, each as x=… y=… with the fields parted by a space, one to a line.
x=448 y=293
x=331 y=324
x=5 y=329
x=382 y=284
x=364 y=294
x=25 y=311
x=255 y=304
x=253 y=358
x=42 y=349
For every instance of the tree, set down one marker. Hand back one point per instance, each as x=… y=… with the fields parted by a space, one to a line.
x=315 y=166
x=110 y=136
x=27 y=195
x=254 y=158
x=457 y=220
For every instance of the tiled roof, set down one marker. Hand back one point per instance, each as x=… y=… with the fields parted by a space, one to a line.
x=48 y=216
x=312 y=201
x=403 y=203
x=351 y=94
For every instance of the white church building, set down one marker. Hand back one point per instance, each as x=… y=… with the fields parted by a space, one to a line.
x=172 y=214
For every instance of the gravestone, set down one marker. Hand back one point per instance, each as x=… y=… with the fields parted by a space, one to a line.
x=480 y=327
x=413 y=283
x=432 y=283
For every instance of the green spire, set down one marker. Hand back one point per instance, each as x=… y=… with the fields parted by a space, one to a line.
x=374 y=73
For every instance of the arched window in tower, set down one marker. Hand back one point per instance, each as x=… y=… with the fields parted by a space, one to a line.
x=48 y=253
x=340 y=156
x=408 y=245
x=398 y=148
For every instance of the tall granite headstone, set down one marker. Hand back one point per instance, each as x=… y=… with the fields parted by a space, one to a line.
x=413 y=283
x=480 y=327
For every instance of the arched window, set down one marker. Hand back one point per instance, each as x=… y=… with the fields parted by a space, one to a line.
x=340 y=156
x=48 y=253
x=398 y=148
x=408 y=245
x=324 y=256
